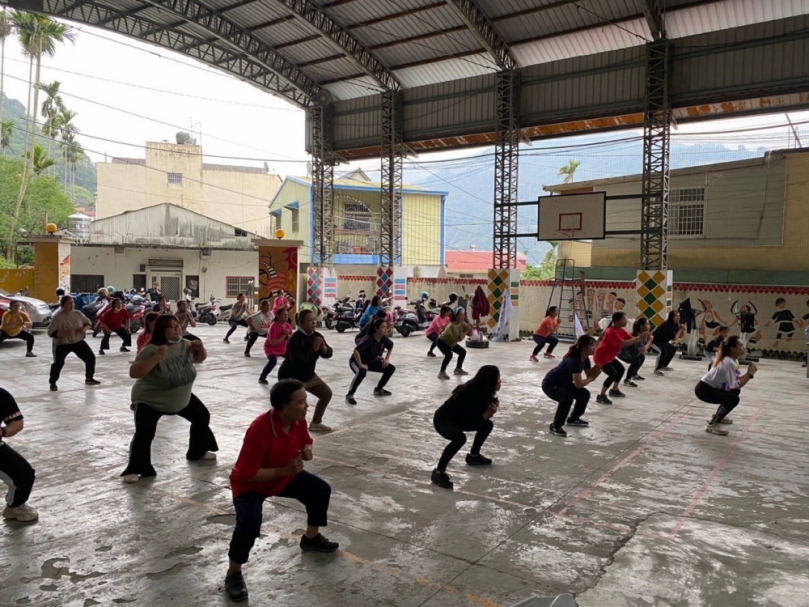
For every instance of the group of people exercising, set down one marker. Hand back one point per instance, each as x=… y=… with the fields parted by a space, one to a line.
x=278 y=442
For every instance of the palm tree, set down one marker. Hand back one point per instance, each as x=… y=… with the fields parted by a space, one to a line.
x=38 y=36
x=40 y=160
x=569 y=170
x=6 y=130
x=51 y=112
x=5 y=32
x=73 y=153
x=68 y=131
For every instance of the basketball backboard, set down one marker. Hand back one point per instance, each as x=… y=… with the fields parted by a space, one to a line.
x=572 y=217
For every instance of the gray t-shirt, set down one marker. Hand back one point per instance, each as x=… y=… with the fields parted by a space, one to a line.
x=167 y=388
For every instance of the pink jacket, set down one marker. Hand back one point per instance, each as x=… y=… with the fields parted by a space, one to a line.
x=437 y=326
x=276 y=330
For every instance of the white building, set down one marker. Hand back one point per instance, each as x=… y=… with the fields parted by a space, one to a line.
x=170 y=245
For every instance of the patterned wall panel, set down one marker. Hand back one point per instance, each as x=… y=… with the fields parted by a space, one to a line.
x=654 y=295
x=384 y=282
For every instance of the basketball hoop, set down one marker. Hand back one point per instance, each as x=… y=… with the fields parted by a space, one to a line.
x=568 y=234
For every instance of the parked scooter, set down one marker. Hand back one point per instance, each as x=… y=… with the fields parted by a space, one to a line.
x=349 y=316
x=340 y=306
x=208 y=312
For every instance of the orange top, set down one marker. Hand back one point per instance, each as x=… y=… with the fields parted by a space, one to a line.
x=547 y=326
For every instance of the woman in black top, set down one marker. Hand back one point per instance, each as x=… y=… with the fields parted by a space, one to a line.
x=304 y=349
x=635 y=355
x=367 y=356
x=469 y=409
x=662 y=337
x=566 y=382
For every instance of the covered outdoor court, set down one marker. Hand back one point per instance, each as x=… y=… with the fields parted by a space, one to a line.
x=641 y=508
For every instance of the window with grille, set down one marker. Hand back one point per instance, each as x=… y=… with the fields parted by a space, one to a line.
x=687 y=212
x=356 y=216
x=295 y=221
x=237 y=284
x=277 y=222
x=174 y=178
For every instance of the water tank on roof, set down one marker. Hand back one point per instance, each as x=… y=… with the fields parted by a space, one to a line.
x=79 y=225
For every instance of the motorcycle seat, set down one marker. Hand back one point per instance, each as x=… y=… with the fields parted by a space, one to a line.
x=201 y=305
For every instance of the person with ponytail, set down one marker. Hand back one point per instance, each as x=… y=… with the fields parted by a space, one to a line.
x=566 y=383
x=545 y=334
x=469 y=409
x=614 y=340
x=670 y=330
x=722 y=384
x=635 y=355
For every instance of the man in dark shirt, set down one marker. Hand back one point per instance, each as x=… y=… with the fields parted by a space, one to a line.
x=304 y=349
x=14 y=466
x=367 y=356
x=154 y=293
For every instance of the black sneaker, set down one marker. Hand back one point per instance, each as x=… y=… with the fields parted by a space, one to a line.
x=477 y=460
x=617 y=394
x=441 y=479
x=226 y=340
x=350 y=399
x=630 y=383
x=91 y=382
x=603 y=399
x=577 y=422
x=54 y=388
x=30 y=355
x=263 y=381
x=124 y=349
x=557 y=431
x=319 y=543
x=247 y=354
x=101 y=352
x=638 y=378
x=381 y=392
x=659 y=372
x=235 y=587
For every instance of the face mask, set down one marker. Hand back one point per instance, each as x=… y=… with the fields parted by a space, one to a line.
x=173 y=341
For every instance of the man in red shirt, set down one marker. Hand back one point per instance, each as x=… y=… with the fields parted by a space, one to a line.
x=271 y=464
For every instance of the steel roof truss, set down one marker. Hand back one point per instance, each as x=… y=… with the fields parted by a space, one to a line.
x=481 y=26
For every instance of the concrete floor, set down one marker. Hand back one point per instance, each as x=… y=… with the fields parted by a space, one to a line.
x=642 y=508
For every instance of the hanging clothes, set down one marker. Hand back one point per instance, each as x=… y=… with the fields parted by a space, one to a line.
x=501 y=331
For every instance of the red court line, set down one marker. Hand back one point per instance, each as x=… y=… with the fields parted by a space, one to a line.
x=651 y=440
x=712 y=476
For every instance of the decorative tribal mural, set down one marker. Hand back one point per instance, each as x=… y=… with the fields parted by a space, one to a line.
x=278 y=274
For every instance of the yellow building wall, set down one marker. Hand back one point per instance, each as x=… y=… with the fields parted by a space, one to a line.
x=46 y=270
x=293 y=192
x=12 y=281
x=579 y=252
x=792 y=255
x=238 y=198
x=421 y=230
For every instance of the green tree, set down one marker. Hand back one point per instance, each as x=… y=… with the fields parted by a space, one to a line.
x=41 y=160
x=545 y=270
x=44 y=198
x=73 y=153
x=38 y=36
x=6 y=133
x=569 y=170
x=5 y=32
x=52 y=108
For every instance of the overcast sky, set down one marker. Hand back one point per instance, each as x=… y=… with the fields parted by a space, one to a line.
x=234 y=118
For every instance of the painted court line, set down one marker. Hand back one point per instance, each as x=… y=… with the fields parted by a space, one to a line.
x=712 y=476
x=650 y=441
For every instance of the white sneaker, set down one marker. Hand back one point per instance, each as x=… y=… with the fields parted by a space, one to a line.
x=319 y=427
x=716 y=429
x=209 y=455
x=726 y=420
x=131 y=478
x=23 y=513
x=443 y=375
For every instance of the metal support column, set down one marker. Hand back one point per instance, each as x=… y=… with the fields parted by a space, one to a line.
x=656 y=143
x=392 y=156
x=322 y=185
x=506 y=163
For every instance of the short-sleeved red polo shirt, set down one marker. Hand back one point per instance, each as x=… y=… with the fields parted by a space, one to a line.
x=266 y=445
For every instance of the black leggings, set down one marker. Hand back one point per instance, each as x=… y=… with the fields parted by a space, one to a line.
x=455 y=434
x=726 y=399
x=120 y=332
x=82 y=350
x=614 y=372
x=18 y=474
x=310 y=490
x=667 y=352
x=541 y=341
x=233 y=324
x=635 y=361
x=376 y=367
x=201 y=437
x=447 y=352
x=271 y=360
x=565 y=395
x=433 y=337
x=24 y=335
x=251 y=339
